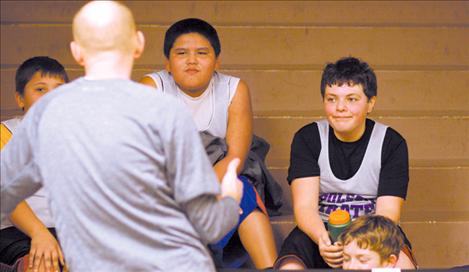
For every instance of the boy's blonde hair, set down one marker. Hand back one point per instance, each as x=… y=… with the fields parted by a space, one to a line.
x=376 y=233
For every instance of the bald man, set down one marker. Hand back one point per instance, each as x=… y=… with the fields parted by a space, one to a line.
x=128 y=181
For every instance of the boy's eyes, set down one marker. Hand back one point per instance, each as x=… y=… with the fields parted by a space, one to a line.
x=181 y=53
x=363 y=260
x=349 y=99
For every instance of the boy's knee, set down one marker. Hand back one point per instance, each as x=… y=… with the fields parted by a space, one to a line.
x=290 y=262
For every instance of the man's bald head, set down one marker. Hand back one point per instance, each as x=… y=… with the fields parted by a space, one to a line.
x=102 y=26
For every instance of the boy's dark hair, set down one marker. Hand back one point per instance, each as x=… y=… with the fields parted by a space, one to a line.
x=350 y=71
x=376 y=233
x=191 y=25
x=43 y=64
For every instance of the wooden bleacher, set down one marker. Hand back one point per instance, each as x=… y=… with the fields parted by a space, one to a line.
x=419 y=50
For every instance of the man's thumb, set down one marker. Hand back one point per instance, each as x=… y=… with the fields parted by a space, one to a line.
x=232 y=166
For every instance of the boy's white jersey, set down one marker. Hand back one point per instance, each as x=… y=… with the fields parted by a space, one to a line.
x=357 y=194
x=209 y=110
x=37 y=202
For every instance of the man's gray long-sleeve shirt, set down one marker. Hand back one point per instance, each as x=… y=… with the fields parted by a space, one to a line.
x=127 y=179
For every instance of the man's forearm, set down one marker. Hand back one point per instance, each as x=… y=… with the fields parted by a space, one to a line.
x=14 y=191
x=212 y=218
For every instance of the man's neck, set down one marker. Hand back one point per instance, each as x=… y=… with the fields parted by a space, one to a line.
x=108 y=65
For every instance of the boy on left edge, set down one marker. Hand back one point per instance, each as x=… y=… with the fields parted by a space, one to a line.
x=29 y=231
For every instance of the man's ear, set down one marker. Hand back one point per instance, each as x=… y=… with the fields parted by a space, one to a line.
x=77 y=53
x=140 y=45
x=19 y=101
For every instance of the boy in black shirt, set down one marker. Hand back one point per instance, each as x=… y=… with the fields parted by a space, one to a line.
x=345 y=161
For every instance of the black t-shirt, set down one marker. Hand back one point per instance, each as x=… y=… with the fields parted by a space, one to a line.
x=345 y=158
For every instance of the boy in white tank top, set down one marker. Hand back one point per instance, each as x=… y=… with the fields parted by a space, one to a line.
x=220 y=104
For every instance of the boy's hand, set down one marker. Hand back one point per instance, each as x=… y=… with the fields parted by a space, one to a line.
x=331 y=253
x=230 y=184
x=45 y=248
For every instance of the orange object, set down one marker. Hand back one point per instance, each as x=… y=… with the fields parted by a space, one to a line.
x=339 y=217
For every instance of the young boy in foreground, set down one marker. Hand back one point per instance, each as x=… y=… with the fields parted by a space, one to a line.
x=371 y=241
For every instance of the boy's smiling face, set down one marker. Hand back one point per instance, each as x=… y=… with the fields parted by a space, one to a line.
x=192 y=62
x=346 y=109
x=356 y=258
x=38 y=86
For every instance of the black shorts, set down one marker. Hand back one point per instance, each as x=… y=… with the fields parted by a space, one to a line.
x=299 y=245
x=14 y=244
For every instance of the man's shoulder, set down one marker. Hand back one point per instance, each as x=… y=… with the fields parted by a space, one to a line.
x=10 y=124
x=116 y=90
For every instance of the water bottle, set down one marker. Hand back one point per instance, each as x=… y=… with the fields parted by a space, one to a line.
x=339 y=220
